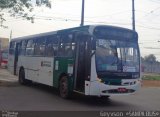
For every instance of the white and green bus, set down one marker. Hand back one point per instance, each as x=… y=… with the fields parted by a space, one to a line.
x=95 y=60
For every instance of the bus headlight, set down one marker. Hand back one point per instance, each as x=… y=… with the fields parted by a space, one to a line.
x=98 y=79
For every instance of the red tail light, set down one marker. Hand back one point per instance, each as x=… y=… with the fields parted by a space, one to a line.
x=4 y=61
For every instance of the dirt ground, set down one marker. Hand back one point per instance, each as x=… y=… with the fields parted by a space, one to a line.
x=151 y=83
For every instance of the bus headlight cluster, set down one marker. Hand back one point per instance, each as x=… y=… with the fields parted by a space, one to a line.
x=100 y=80
x=132 y=83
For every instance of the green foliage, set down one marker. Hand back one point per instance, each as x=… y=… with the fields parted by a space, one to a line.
x=42 y=2
x=11 y=3
x=151 y=58
x=151 y=77
x=2 y=20
x=24 y=3
x=20 y=8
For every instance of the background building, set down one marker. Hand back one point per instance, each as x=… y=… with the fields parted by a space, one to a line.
x=4 y=43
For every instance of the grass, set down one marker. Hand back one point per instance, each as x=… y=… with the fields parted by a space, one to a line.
x=151 y=77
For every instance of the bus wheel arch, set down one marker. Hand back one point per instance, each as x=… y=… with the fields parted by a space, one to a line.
x=64 y=86
x=21 y=76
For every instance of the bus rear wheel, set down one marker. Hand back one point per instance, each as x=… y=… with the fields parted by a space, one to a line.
x=64 y=87
x=22 y=79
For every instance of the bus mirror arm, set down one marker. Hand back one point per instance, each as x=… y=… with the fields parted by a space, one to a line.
x=92 y=52
x=93 y=43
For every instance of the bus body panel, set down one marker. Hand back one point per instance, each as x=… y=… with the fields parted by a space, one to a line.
x=93 y=77
x=31 y=67
x=63 y=66
x=38 y=69
x=46 y=71
x=93 y=69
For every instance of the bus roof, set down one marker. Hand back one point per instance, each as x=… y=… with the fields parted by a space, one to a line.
x=34 y=36
x=69 y=30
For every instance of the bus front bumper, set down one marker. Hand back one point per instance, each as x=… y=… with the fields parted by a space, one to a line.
x=97 y=88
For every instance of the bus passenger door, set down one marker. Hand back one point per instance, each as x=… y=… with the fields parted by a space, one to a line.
x=16 y=58
x=82 y=61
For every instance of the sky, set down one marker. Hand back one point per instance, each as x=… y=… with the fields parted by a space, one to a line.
x=67 y=14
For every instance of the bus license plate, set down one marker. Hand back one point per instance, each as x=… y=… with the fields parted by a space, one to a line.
x=122 y=90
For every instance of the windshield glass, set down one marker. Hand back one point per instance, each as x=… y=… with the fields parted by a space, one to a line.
x=117 y=56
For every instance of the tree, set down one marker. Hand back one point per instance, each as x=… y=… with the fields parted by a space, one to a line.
x=142 y=59
x=20 y=8
x=150 y=59
x=150 y=63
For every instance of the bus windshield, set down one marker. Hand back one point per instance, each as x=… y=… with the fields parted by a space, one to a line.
x=117 y=56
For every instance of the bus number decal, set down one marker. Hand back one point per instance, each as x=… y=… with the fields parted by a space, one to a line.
x=46 y=64
x=129 y=69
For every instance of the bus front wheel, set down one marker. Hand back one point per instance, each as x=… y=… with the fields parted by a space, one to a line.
x=64 y=87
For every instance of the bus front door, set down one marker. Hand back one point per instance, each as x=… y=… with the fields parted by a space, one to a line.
x=82 y=62
x=16 y=58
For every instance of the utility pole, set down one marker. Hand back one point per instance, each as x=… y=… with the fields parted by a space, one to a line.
x=10 y=36
x=82 y=14
x=133 y=15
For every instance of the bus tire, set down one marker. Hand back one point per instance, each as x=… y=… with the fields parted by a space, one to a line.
x=64 y=87
x=22 y=79
x=105 y=97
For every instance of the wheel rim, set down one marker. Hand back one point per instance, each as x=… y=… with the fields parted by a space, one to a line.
x=64 y=87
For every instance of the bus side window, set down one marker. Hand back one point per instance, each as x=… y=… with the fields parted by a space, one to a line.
x=39 y=47
x=66 y=48
x=42 y=46
x=55 y=49
x=36 y=49
x=23 y=47
x=61 y=50
x=12 y=48
x=30 y=47
x=49 y=50
x=51 y=46
x=69 y=50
